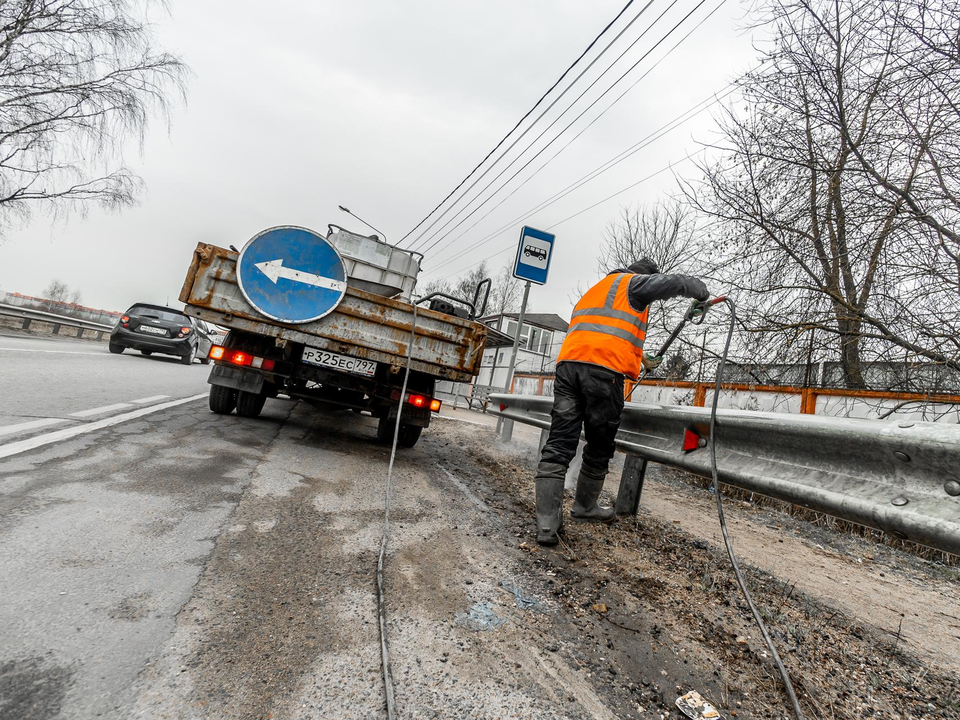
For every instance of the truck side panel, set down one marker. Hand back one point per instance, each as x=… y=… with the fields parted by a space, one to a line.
x=364 y=325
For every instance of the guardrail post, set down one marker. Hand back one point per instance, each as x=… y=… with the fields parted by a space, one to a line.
x=100 y=337
x=26 y=324
x=544 y=434
x=56 y=328
x=79 y=332
x=631 y=485
x=506 y=435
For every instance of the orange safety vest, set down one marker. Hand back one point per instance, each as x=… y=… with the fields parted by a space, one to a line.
x=605 y=330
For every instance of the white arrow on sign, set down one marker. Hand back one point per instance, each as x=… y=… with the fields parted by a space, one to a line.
x=275 y=270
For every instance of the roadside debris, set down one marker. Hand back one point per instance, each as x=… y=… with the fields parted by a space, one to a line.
x=694 y=706
x=481 y=617
x=524 y=601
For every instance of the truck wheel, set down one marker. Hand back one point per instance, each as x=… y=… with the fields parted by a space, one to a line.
x=222 y=399
x=115 y=349
x=250 y=404
x=409 y=434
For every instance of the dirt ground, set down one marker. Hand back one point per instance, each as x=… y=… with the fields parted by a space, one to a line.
x=865 y=630
x=615 y=623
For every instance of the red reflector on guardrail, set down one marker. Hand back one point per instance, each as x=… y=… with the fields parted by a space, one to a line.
x=691 y=441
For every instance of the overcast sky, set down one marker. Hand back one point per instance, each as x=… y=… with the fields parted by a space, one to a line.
x=383 y=106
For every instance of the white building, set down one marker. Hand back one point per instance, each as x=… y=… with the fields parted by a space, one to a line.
x=540 y=340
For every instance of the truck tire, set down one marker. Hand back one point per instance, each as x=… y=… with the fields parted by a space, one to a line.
x=250 y=404
x=222 y=399
x=409 y=434
x=115 y=349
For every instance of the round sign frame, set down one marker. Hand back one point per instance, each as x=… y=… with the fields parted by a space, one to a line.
x=317 y=235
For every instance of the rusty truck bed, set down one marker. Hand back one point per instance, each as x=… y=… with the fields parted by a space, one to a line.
x=363 y=325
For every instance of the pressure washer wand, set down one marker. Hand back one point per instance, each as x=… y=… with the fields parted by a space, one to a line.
x=694 y=315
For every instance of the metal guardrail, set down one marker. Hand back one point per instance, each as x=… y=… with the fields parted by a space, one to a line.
x=28 y=315
x=902 y=478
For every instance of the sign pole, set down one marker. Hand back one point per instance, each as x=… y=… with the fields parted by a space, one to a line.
x=507 y=433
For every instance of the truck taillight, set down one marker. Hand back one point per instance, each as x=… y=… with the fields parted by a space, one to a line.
x=422 y=401
x=240 y=358
x=218 y=352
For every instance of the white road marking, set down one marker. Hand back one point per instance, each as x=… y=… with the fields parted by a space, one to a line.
x=56 y=352
x=99 y=410
x=32 y=425
x=59 y=435
x=147 y=400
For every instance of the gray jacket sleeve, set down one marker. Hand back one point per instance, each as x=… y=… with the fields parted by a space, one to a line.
x=645 y=289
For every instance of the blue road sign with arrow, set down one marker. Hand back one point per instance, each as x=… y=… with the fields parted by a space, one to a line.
x=533 y=255
x=291 y=274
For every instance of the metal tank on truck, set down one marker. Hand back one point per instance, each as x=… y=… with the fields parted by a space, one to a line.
x=330 y=320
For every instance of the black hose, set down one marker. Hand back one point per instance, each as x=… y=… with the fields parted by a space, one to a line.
x=381 y=602
x=723 y=523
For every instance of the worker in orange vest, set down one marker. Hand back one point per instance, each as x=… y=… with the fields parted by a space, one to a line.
x=603 y=346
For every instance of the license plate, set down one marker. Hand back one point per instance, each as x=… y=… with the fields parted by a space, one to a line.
x=314 y=356
x=152 y=330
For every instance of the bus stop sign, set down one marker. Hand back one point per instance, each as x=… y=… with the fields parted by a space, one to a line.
x=291 y=274
x=533 y=255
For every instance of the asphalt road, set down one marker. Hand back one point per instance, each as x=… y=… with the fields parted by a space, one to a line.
x=49 y=379
x=113 y=484
x=160 y=561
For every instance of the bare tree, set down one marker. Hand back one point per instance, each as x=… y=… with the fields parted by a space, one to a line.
x=667 y=233
x=812 y=194
x=505 y=292
x=664 y=232
x=57 y=291
x=77 y=77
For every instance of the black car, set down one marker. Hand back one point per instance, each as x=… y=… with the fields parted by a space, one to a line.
x=157 y=329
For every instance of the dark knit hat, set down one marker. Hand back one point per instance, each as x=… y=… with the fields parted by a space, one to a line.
x=644 y=266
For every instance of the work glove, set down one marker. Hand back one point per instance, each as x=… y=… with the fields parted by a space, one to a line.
x=697 y=310
x=652 y=362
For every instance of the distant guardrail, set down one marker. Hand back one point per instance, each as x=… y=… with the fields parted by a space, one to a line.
x=900 y=477
x=28 y=316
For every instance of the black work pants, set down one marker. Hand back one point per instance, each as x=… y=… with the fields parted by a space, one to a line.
x=587 y=396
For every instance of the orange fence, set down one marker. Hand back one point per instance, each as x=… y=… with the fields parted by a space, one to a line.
x=808 y=395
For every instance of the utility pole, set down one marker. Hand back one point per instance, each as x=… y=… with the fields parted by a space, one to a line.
x=507 y=433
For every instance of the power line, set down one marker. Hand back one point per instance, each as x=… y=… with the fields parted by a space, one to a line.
x=609 y=197
x=601 y=169
x=530 y=111
x=592 y=175
x=569 y=125
x=552 y=123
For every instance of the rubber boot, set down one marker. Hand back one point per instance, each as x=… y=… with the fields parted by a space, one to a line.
x=549 y=484
x=585 y=508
